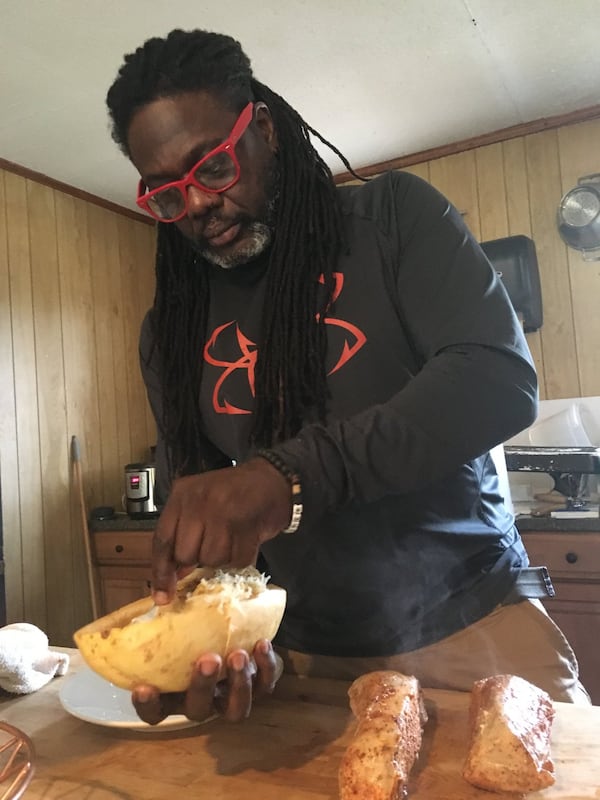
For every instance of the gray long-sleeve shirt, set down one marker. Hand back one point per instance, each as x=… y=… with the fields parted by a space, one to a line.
x=405 y=537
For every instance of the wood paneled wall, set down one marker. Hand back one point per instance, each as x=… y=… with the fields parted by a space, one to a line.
x=75 y=281
x=514 y=187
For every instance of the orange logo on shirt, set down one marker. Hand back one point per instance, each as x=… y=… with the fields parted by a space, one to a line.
x=349 y=350
x=247 y=361
x=248 y=353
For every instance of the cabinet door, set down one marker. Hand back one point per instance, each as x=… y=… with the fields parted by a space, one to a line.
x=573 y=556
x=573 y=559
x=123 y=547
x=576 y=611
x=120 y=586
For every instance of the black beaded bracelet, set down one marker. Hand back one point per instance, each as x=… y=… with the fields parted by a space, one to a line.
x=297 y=507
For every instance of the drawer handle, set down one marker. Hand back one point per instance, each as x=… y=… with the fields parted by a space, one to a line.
x=119 y=548
x=149 y=584
x=571 y=557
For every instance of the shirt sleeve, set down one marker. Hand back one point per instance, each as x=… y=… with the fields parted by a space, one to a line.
x=476 y=387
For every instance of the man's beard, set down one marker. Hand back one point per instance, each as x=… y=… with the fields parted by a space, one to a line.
x=259 y=233
x=257 y=238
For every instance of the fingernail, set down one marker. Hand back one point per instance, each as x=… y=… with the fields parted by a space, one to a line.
x=264 y=647
x=238 y=661
x=161 y=598
x=141 y=695
x=208 y=667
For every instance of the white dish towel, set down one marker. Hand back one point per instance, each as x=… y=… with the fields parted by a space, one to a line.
x=26 y=662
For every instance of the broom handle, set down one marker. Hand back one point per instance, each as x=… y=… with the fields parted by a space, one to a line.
x=76 y=455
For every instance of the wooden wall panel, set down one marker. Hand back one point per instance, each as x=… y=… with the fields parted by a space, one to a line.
x=421 y=170
x=109 y=333
x=516 y=186
x=51 y=411
x=25 y=394
x=558 y=336
x=80 y=377
x=145 y=248
x=133 y=283
x=519 y=223
x=456 y=177
x=9 y=461
x=69 y=327
x=491 y=193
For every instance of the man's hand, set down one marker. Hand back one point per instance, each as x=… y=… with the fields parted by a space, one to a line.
x=218 y=518
x=232 y=697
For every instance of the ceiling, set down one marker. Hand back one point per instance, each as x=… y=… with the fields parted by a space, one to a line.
x=378 y=78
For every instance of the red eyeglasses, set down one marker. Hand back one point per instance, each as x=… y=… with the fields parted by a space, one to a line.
x=216 y=172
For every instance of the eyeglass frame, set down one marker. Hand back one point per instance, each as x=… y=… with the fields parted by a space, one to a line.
x=228 y=146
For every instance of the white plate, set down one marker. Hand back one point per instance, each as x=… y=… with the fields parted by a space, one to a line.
x=89 y=697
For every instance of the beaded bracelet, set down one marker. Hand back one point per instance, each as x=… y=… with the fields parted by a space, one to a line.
x=297 y=506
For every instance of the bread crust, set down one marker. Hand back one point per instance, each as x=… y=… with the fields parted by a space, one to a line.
x=161 y=650
x=391 y=715
x=510 y=721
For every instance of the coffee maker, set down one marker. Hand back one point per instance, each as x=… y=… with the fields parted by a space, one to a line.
x=140 y=490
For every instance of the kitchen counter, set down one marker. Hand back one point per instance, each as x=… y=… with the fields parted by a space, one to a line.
x=122 y=522
x=526 y=522
x=290 y=748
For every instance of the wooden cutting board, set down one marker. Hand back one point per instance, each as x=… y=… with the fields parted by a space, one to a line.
x=289 y=749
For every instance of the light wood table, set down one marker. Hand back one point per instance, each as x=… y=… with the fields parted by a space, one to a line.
x=289 y=749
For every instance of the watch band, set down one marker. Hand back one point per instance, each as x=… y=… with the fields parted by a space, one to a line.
x=292 y=478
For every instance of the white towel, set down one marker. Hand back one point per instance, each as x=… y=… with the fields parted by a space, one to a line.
x=26 y=662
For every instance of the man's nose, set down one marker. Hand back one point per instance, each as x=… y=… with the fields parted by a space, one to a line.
x=199 y=202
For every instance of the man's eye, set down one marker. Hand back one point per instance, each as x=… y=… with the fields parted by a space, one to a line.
x=214 y=166
x=218 y=168
x=168 y=194
x=212 y=170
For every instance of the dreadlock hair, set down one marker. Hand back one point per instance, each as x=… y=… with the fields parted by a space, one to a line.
x=308 y=239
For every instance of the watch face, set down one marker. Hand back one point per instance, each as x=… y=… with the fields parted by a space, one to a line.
x=580 y=206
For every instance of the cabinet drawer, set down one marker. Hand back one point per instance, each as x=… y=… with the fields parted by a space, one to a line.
x=566 y=554
x=123 y=547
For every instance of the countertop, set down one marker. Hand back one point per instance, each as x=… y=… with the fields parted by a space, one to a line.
x=524 y=522
x=122 y=522
x=290 y=748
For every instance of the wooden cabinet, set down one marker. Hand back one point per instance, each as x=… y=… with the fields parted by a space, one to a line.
x=123 y=561
x=573 y=559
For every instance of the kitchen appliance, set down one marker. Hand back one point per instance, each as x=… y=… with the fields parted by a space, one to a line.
x=578 y=217
x=568 y=467
x=140 y=490
x=515 y=260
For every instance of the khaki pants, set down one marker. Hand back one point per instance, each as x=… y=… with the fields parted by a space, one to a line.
x=518 y=639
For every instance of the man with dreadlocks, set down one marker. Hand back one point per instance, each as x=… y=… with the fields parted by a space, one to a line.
x=329 y=369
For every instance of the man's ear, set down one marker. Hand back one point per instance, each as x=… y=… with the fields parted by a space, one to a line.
x=265 y=124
